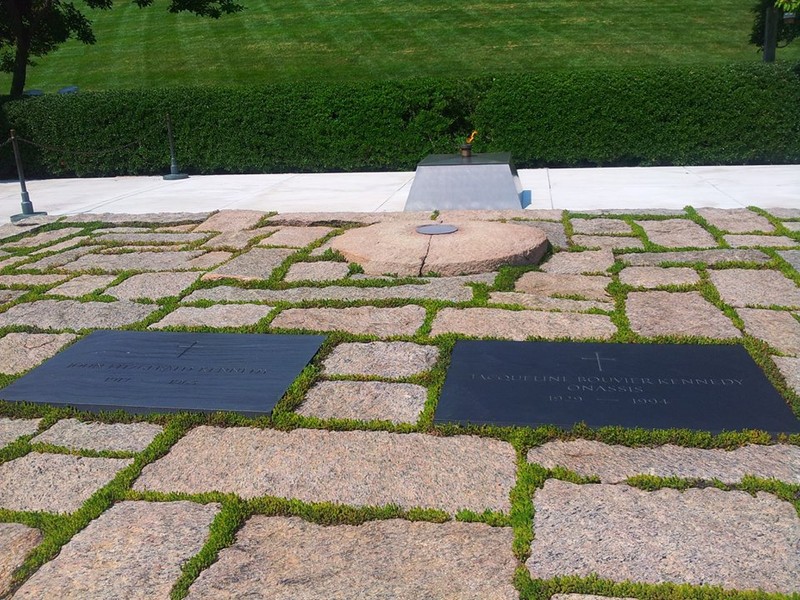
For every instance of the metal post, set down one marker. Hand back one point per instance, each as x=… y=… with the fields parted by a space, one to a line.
x=173 y=162
x=27 y=205
x=770 y=33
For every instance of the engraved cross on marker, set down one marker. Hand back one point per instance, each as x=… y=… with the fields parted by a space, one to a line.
x=598 y=359
x=192 y=345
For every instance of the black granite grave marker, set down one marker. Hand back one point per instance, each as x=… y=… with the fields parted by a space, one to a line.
x=653 y=386
x=144 y=372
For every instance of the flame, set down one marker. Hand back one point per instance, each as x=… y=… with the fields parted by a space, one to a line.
x=471 y=137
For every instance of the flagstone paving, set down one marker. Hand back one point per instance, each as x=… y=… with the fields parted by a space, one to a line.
x=57 y=483
x=134 y=550
x=360 y=468
x=354 y=430
x=698 y=536
x=279 y=557
x=615 y=464
x=751 y=241
x=22 y=351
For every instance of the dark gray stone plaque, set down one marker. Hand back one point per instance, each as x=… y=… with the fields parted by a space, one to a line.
x=436 y=229
x=455 y=182
x=652 y=386
x=147 y=372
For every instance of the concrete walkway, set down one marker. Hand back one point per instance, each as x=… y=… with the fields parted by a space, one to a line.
x=353 y=488
x=571 y=189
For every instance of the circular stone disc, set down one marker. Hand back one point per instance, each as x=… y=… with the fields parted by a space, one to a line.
x=438 y=229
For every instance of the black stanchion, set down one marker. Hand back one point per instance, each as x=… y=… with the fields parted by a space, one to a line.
x=173 y=162
x=27 y=205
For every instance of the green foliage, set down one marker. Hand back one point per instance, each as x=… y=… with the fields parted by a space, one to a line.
x=787 y=31
x=643 y=116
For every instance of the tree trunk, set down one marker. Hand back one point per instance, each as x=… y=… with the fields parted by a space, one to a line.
x=771 y=33
x=20 y=65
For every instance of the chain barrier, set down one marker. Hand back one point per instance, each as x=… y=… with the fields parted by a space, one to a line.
x=8 y=141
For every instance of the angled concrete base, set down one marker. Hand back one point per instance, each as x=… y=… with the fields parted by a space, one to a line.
x=477 y=182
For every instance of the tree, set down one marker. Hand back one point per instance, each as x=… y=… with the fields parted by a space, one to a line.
x=34 y=28
x=770 y=30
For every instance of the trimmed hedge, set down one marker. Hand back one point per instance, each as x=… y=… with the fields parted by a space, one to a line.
x=672 y=115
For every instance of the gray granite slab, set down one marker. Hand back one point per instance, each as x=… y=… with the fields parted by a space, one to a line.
x=296 y=237
x=677 y=233
x=699 y=536
x=286 y=557
x=220 y=315
x=752 y=287
x=785 y=213
x=256 y=264
x=600 y=226
x=736 y=220
x=792 y=225
x=16 y=542
x=365 y=401
x=790 y=369
x=55 y=483
x=753 y=241
x=22 y=351
x=364 y=320
x=152 y=238
x=11 y=295
x=134 y=261
x=46 y=237
x=358 y=468
x=709 y=257
x=9 y=230
x=607 y=242
x=553 y=230
x=152 y=285
x=120 y=437
x=57 y=260
x=231 y=220
x=589 y=287
x=652 y=277
x=11 y=429
x=614 y=464
x=520 y=325
x=547 y=303
x=27 y=280
x=792 y=257
x=317 y=271
x=134 y=550
x=162 y=218
x=677 y=313
x=576 y=263
x=776 y=327
x=382 y=359
x=66 y=244
x=82 y=285
x=71 y=314
x=238 y=239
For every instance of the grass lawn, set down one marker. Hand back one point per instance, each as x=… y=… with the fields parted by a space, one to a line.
x=287 y=40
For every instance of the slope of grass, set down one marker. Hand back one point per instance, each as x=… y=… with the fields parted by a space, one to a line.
x=288 y=40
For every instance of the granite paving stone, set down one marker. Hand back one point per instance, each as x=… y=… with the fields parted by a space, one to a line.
x=56 y=483
x=46 y=237
x=11 y=429
x=784 y=213
x=134 y=261
x=614 y=464
x=28 y=280
x=792 y=225
x=709 y=257
x=607 y=242
x=653 y=277
x=122 y=219
x=176 y=228
x=22 y=351
x=751 y=287
x=776 y=327
x=589 y=287
x=365 y=401
x=286 y=557
x=317 y=271
x=600 y=226
x=120 y=437
x=358 y=468
x=13 y=260
x=57 y=260
x=520 y=325
x=82 y=285
x=132 y=249
x=546 y=303
x=70 y=243
x=677 y=233
x=11 y=295
x=296 y=237
x=381 y=359
x=208 y=260
x=338 y=219
x=257 y=264
x=16 y=542
x=231 y=220
x=677 y=313
x=576 y=263
x=440 y=288
x=750 y=241
x=790 y=369
x=152 y=285
x=134 y=550
x=9 y=230
x=658 y=212
x=104 y=230
x=736 y=220
x=239 y=239
x=71 y=314
x=792 y=257
x=553 y=230
x=698 y=536
x=365 y=320
x=152 y=238
x=220 y=315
